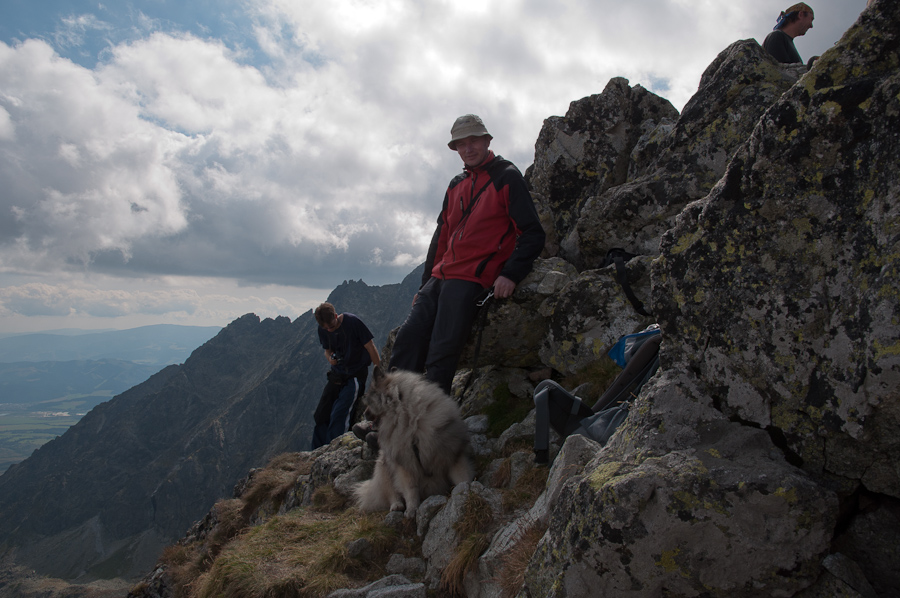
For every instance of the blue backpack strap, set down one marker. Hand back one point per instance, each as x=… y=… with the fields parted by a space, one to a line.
x=641 y=366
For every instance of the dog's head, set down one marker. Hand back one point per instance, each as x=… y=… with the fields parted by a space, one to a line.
x=382 y=396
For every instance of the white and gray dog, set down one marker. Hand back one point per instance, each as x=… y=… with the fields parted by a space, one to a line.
x=423 y=442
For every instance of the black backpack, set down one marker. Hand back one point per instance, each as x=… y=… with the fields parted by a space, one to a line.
x=555 y=407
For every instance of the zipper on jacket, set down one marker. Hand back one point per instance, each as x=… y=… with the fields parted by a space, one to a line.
x=483 y=264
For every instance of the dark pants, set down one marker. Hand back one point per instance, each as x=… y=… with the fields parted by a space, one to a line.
x=335 y=409
x=435 y=332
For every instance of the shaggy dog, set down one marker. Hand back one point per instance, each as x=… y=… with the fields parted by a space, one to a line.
x=423 y=442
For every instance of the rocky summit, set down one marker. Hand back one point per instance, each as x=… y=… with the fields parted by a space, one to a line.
x=760 y=460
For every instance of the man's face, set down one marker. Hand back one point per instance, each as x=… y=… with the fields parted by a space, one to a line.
x=333 y=325
x=804 y=22
x=473 y=150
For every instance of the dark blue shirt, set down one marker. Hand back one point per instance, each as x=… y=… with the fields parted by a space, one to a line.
x=347 y=343
x=781 y=45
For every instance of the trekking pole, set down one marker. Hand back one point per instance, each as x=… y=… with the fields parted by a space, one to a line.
x=484 y=305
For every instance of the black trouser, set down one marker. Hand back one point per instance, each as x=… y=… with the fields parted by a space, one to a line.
x=436 y=329
x=335 y=411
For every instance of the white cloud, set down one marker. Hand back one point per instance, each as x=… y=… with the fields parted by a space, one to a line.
x=7 y=128
x=178 y=155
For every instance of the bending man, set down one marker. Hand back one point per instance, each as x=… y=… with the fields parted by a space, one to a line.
x=350 y=349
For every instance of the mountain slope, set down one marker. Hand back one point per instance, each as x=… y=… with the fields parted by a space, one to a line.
x=103 y=499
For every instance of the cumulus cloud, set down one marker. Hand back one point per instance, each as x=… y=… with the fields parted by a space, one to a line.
x=316 y=151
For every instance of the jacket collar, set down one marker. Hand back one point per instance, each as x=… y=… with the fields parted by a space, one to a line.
x=483 y=166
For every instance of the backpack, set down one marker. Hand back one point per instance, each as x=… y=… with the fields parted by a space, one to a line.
x=637 y=354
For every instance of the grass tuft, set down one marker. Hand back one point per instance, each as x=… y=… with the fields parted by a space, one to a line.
x=327 y=500
x=472 y=527
x=273 y=482
x=453 y=576
x=526 y=490
x=515 y=561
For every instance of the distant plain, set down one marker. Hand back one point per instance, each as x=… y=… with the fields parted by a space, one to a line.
x=48 y=381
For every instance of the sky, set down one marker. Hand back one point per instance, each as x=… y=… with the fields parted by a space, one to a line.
x=164 y=161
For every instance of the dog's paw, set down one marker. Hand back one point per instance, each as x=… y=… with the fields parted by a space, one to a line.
x=397 y=505
x=409 y=513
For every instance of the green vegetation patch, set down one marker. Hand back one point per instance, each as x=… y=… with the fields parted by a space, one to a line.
x=22 y=433
x=506 y=410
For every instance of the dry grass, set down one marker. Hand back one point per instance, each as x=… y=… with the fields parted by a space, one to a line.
x=299 y=554
x=501 y=477
x=472 y=528
x=454 y=574
x=526 y=490
x=515 y=562
x=273 y=482
x=326 y=500
x=188 y=563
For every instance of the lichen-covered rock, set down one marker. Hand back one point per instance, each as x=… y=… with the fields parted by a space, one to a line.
x=687 y=157
x=587 y=151
x=780 y=289
x=514 y=327
x=778 y=396
x=341 y=457
x=442 y=539
x=491 y=384
x=590 y=313
x=685 y=524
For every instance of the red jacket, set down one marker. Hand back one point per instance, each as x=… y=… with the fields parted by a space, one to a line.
x=488 y=227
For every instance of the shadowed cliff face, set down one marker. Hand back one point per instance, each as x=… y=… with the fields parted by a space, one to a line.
x=105 y=498
x=762 y=458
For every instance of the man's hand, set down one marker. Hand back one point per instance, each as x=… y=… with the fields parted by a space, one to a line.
x=503 y=287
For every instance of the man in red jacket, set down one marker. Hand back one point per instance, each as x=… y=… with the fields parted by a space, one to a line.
x=488 y=235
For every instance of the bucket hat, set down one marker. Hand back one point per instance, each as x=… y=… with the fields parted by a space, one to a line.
x=467 y=125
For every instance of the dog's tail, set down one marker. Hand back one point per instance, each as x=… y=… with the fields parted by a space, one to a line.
x=376 y=494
